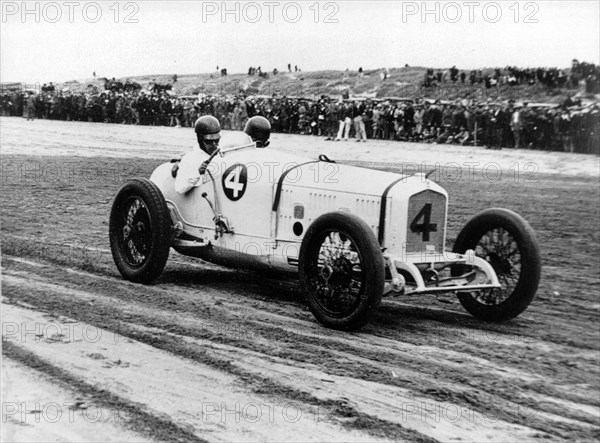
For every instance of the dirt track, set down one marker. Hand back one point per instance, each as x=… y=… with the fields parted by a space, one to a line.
x=209 y=353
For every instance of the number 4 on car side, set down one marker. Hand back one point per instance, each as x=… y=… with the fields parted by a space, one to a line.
x=352 y=235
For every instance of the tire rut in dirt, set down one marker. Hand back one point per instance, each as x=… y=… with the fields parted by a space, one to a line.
x=151 y=426
x=341 y=361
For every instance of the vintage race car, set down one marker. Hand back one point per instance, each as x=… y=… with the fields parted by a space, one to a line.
x=351 y=234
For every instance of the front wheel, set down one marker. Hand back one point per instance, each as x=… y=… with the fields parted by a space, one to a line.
x=139 y=231
x=507 y=242
x=341 y=270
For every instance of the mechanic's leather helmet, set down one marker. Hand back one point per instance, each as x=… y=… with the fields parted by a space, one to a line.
x=259 y=129
x=207 y=128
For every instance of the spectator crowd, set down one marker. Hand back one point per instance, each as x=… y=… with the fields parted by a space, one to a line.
x=514 y=76
x=570 y=127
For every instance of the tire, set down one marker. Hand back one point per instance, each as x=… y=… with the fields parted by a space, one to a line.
x=346 y=285
x=513 y=253
x=140 y=231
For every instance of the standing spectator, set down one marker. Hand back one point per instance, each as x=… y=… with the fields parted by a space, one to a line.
x=332 y=118
x=368 y=119
x=418 y=119
x=229 y=113
x=386 y=121
x=459 y=119
x=509 y=140
x=481 y=131
x=453 y=74
x=498 y=120
x=359 y=124
x=398 y=118
x=236 y=123
x=472 y=77
x=593 y=128
x=193 y=115
x=565 y=130
x=437 y=116
x=284 y=116
x=243 y=113
x=30 y=106
x=479 y=76
x=375 y=121
x=447 y=118
x=177 y=114
x=427 y=115
x=321 y=111
x=250 y=108
x=409 y=120
x=135 y=110
x=346 y=117
x=220 y=112
x=165 y=111
x=110 y=108
x=121 y=109
x=185 y=112
x=302 y=120
x=516 y=125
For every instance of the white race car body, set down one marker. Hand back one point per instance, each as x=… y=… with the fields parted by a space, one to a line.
x=264 y=200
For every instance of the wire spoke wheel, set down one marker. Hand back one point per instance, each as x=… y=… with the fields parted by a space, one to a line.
x=507 y=242
x=341 y=270
x=500 y=249
x=337 y=279
x=140 y=231
x=136 y=238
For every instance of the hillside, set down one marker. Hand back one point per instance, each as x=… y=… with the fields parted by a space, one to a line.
x=401 y=82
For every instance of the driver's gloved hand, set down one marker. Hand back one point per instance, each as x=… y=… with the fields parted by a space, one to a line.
x=203 y=166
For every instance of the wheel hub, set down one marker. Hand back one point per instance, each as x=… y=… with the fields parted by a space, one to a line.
x=500 y=264
x=339 y=273
x=326 y=272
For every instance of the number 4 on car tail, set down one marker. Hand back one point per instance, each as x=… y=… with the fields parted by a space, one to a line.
x=235 y=180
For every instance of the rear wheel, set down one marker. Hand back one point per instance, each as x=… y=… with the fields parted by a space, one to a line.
x=507 y=242
x=341 y=270
x=139 y=231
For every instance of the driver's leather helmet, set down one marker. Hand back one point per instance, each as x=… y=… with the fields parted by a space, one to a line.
x=208 y=131
x=259 y=129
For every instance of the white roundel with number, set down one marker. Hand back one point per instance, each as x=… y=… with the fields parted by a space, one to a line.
x=235 y=180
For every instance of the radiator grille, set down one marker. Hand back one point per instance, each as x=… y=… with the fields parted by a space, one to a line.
x=426 y=222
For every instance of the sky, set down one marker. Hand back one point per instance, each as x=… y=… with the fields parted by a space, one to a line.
x=66 y=40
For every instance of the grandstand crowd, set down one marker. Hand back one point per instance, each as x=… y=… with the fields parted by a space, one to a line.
x=569 y=127
x=588 y=73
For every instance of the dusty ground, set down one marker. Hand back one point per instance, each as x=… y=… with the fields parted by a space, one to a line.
x=209 y=353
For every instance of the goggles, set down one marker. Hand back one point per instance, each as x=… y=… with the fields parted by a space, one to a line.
x=260 y=144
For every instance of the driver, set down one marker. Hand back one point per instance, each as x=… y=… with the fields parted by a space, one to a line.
x=193 y=164
x=259 y=129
